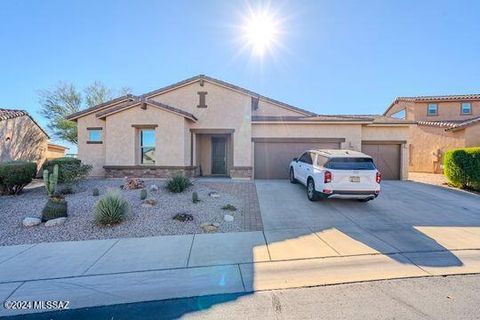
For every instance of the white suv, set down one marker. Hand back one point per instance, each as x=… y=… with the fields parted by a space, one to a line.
x=336 y=174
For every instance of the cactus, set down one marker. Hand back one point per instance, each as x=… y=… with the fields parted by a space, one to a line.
x=54 y=209
x=50 y=180
x=143 y=194
x=95 y=192
x=195 y=198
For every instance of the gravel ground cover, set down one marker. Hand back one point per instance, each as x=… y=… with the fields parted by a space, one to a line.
x=141 y=222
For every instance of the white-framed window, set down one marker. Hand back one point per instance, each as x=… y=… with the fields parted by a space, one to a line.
x=466 y=108
x=147 y=146
x=432 y=109
x=94 y=135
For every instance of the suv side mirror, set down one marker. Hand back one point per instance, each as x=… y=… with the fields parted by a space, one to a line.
x=295 y=159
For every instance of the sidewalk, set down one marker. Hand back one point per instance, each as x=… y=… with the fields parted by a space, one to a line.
x=103 y=272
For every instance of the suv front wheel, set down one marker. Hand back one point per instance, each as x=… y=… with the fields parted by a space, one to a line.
x=292 y=176
x=311 y=193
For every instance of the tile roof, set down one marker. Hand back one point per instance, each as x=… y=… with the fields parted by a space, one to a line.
x=73 y=116
x=137 y=101
x=450 y=125
x=371 y=119
x=440 y=98
x=6 y=114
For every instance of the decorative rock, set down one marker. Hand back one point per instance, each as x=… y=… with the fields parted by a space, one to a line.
x=216 y=224
x=183 y=217
x=214 y=195
x=55 y=222
x=31 y=222
x=153 y=187
x=148 y=203
x=228 y=218
x=209 y=227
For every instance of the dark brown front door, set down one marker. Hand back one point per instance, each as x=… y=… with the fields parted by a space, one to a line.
x=386 y=158
x=219 y=158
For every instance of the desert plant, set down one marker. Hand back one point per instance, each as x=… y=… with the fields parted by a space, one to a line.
x=462 y=167
x=143 y=194
x=70 y=170
x=111 y=209
x=183 y=217
x=229 y=207
x=56 y=207
x=51 y=180
x=178 y=184
x=15 y=175
x=95 y=192
x=195 y=198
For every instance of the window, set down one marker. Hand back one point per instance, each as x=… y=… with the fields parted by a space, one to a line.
x=306 y=158
x=432 y=109
x=147 y=146
x=399 y=115
x=94 y=135
x=466 y=108
x=321 y=160
x=350 y=164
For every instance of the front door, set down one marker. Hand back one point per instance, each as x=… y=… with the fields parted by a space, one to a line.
x=219 y=159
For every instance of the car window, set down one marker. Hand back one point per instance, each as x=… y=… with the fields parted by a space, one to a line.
x=321 y=160
x=310 y=157
x=303 y=158
x=350 y=164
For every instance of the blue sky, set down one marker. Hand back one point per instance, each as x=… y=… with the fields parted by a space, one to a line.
x=333 y=56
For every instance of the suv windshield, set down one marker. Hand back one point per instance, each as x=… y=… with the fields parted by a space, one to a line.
x=350 y=164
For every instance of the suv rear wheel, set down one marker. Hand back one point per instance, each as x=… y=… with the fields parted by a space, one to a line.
x=311 y=193
x=292 y=176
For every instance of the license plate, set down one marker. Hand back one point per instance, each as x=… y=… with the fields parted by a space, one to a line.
x=354 y=179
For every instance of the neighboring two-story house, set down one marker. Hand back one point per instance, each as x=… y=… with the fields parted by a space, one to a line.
x=443 y=123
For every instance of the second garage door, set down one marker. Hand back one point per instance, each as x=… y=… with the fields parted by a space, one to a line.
x=272 y=158
x=386 y=157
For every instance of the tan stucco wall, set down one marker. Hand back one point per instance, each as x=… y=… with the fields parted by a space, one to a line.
x=472 y=135
x=27 y=141
x=351 y=132
x=428 y=144
x=266 y=108
x=122 y=147
x=92 y=154
x=391 y=133
x=446 y=111
x=401 y=105
x=226 y=109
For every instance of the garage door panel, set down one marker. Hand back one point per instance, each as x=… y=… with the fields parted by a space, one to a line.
x=272 y=159
x=386 y=158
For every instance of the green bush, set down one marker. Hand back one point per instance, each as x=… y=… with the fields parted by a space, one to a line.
x=462 y=167
x=15 y=175
x=95 y=192
x=111 y=209
x=71 y=170
x=143 y=194
x=195 y=198
x=229 y=207
x=54 y=208
x=178 y=184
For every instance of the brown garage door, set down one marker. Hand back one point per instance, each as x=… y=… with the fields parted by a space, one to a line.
x=272 y=159
x=386 y=158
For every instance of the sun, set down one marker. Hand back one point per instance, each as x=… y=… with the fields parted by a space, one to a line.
x=260 y=31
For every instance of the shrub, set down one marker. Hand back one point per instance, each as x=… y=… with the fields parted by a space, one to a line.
x=111 y=209
x=195 y=198
x=143 y=194
x=95 y=192
x=71 y=170
x=15 y=175
x=229 y=207
x=462 y=167
x=178 y=184
x=56 y=207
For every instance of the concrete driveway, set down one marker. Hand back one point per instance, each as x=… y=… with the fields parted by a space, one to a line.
x=407 y=218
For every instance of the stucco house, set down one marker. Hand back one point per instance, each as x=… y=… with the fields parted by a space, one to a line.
x=205 y=126
x=443 y=123
x=22 y=138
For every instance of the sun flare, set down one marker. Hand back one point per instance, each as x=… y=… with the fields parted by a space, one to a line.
x=261 y=30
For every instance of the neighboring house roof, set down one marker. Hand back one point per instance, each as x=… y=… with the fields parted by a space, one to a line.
x=227 y=85
x=451 y=125
x=73 y=116
x=442 y=98
x=57 y=146
x=6 y=114
x=138 y=101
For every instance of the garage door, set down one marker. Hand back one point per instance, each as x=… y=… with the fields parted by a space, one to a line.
x=272 y=158
x=386 y=158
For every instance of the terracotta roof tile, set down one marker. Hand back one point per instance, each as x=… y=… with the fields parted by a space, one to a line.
x=450 y=125
x=6 y=114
